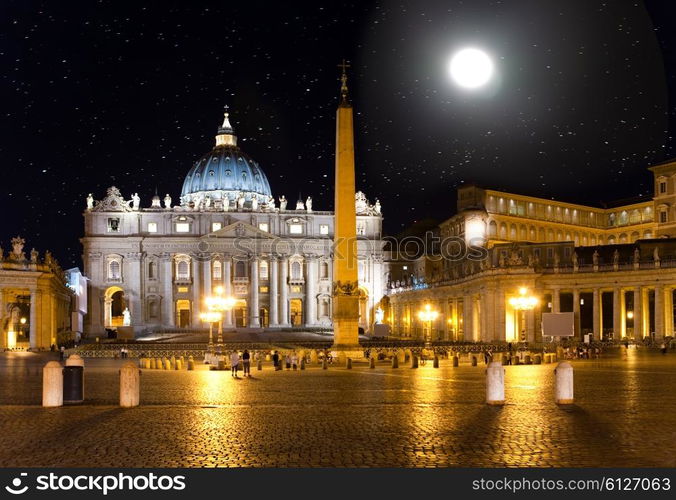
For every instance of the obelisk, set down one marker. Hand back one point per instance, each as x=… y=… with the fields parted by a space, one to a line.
x=345 y=277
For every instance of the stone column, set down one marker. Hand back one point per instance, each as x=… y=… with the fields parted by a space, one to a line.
x=227 y=289
x=597 y=316
x=468 y=317
x=284 y=292
x=659 y=312
x=33 y=335
x=168 y=316
x=500 y=316
x=638 y=313
x=617 y=313
x=274 y=294
x=254 y=320
x=576 y=312
x=3 y=333
x=196 y=296
x=311 y=290
x=134 y=290
x=206 y=274
x=668 y=312
x=556 y=300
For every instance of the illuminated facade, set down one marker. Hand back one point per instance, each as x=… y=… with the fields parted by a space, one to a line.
x=150 y=268
x=614 y=268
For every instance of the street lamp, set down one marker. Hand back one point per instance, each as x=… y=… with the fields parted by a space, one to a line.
x=523 y=302
x=219 y=303
x=211 y=317
x=427 y=315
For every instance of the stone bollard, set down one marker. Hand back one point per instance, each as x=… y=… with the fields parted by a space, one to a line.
x=173 y=361
x=130 y=385
x=473 y=360
x=435 y=363
x=325 y=364
x=52 y=385
x=395 y=362
x=259 y=365
x=182 y=358
x=414 y=361
x=302 y=363
x=348 y=363
x=167 y=364
x=401 y=356
x=178 y=366
x=456 y=361
x=526 y=359
x=372 y=362
x=191 y=363
x=146 y=364
x=151 y=363
x=564 y=383
x=537 y=360
x=495 y=384
x=314 y=357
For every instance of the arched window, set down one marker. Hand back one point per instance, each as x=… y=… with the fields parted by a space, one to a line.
x=324 y=270
x=217 y=270
x=182 y=270
x=263 y=269
x=114 y=270
x=295 y=271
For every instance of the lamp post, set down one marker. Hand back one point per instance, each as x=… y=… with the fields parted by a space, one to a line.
x=427 y=315
x=211 y=317
x=523 y=302
x=219 y=303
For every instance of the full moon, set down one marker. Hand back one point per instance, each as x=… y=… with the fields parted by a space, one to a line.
x=471 y=68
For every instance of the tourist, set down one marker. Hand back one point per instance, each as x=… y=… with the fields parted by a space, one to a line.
x=294 y=360
x=663 y=347
x=234 y=363
x=246 y=363
x=287 y=361
x=62 y=353
x=275 y=361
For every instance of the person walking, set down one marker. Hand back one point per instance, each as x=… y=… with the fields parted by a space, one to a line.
x=246 y=363
x=234 y=363
x=275 y=361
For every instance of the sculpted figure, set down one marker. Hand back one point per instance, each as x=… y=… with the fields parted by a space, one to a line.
x=616 y=257
x=135 y=201
x=34 y=256
x=90 y=201
x=282 y=203
x=656 y=255
x=377 y=208
x=308 y=204
x=167 y=201
x=595 y=258
x=254 y=203
x=271 y=203
x=240 y=201
x=637 y=256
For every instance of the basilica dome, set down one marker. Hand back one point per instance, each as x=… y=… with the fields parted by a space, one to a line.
x=226 y=172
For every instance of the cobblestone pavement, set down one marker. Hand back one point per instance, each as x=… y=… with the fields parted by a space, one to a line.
x=624 y=416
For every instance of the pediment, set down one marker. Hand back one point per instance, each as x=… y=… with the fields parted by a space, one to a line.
x=240 y=230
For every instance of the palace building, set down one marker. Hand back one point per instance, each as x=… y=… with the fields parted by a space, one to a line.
x=150 y=268
x=614 y=269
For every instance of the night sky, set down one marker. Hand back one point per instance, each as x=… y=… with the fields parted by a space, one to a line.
x=131 y=94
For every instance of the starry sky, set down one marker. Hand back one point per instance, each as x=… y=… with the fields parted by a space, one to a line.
x=101 y=93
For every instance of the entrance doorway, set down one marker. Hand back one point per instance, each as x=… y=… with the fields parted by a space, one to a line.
x=296 y=311
x=114 y=306
x=240 y=313
x=263 y=317
x=183 y=313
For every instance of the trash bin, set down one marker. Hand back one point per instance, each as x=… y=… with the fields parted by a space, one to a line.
x=73 y=384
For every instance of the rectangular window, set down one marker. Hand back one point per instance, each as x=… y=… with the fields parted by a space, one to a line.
x=152 y=227
x=263 y=289
x=263 y=226
x=323 y=229
x=663 y=187
x=216 y=226
x=182 y=227
x=182 y=289
x=663 y=217
x=113 y=225
x=296 y=289
x=296 y=229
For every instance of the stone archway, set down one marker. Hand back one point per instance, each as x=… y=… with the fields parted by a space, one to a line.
x=364 y=312
x=114 y=306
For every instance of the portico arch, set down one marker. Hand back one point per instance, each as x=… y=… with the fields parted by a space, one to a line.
x=114 y=306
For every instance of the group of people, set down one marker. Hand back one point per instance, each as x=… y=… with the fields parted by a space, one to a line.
x=243 y=361
x=290 y=361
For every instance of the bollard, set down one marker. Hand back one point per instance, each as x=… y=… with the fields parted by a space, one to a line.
x=52 y=385
x=526 y=359
x=325 y=365
x=435 y=363
x=564 y=383
x=173 y=362
x=177 y=365
x=182 y=358
x=167 y=364
x=372 y=362
x=314 y=357
x=537 y=360
x=401 y=357
x=395 y=362
x=130 y=385
x=151 y=363
x=348 y=363
x=414 y=361
x=547 y=358
x=455 y=361
x=473 y=360
x=259 y=366
x=495 y=384
x=302 y=363
x=146 y=363
x=73 y=380
x=191 y=363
